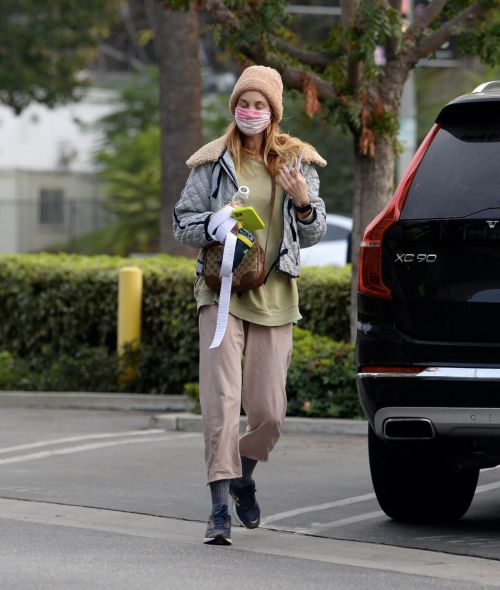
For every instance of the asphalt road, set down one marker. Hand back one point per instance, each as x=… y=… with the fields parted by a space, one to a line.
x=92 y=499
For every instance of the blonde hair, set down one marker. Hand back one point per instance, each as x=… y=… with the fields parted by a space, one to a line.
x=278 y=148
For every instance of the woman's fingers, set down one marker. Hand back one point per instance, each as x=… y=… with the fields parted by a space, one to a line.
x=287 y=175
x=284 y=177
x=293 y=177
x=293 y=182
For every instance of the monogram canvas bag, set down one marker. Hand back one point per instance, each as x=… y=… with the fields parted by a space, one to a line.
x=250 y=273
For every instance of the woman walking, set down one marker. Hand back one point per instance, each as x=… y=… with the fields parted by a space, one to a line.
x=253 y=152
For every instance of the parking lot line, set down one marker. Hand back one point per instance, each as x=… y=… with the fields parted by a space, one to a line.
x=92 y=447
x=316 y=527
x=316 y=508
x=56 y=441
x=487 y=487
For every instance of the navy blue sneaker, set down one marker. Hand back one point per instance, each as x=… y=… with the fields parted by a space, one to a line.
x=245 y=507
x=219 y=528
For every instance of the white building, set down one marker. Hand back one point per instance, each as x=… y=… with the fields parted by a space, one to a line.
x=49 y=192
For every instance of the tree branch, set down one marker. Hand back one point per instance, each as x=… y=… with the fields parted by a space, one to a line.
x=347 y=11
x=121 y=56
x=429 y=14
x=396 y=4
x=309 y=58
x=348 y=8
x=295 y=78
x=292 y=76
x=451 y=28
x=223 y=15
x=132 y=33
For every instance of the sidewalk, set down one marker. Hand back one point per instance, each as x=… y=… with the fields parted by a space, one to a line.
x=188 y=422
x=170 y=412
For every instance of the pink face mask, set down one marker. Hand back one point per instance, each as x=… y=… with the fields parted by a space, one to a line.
x=251 y=122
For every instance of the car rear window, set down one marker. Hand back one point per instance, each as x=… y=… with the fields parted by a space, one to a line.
x=460 y=173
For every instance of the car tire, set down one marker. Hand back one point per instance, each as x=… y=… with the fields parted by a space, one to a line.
x=417 y=482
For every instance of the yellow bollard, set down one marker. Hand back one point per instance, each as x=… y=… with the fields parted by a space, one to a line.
x=129 y=314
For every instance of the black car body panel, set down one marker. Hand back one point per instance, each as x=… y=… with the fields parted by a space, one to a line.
x=432 y=345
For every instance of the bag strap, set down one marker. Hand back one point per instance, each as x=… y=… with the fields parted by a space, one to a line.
x=273 y=198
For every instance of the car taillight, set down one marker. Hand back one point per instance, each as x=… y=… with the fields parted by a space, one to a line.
x=370 y=253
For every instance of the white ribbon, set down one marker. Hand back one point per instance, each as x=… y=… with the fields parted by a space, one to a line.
x=221 y=223
x=220 y=226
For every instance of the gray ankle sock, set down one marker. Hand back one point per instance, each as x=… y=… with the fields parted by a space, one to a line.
x=220 y=493
x=247 y=467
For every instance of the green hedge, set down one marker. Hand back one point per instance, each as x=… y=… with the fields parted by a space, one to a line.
x=321 y=379
x=58 y=328
x=57 y=305
x=325 y=294
x=86 y=369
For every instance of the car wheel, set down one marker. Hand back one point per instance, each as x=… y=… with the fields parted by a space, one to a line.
x=417 y=482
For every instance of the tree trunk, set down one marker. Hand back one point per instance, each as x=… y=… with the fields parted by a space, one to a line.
x=374 y=186
x=177 y=44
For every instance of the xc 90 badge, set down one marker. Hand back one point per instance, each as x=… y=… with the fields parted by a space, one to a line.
x=410 y=257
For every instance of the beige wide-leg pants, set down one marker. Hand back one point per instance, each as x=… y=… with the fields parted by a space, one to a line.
x=225 y=384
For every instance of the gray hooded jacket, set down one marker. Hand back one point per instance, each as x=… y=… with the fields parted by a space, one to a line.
x=211 y=185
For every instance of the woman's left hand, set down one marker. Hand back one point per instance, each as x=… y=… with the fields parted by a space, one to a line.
x=294 y=184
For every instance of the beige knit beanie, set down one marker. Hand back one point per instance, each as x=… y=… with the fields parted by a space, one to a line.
x=265 y=80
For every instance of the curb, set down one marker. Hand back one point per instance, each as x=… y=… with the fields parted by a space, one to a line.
x=94 y=401
x=178 y=417
x=192 y=423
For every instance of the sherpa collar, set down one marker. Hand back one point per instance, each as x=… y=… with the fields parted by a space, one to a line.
x=211 y=152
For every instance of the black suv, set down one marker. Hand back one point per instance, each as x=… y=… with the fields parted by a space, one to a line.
x=428 y=345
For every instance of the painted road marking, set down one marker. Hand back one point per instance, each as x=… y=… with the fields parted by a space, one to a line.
x=487 y=487
x=56 y=441
x=92 y=447
x=317 y=508
x=316 y=527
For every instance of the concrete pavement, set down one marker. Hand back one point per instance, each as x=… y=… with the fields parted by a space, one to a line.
x=98 y=499
x=124 y=550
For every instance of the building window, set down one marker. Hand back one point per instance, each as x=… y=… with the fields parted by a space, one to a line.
x=51 y=206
